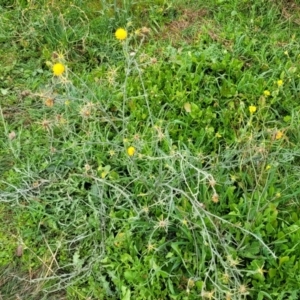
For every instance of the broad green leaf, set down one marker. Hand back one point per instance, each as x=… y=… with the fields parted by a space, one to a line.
x=283 y=259
x=272 y=272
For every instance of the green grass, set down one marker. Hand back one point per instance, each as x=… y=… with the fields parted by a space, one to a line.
x=207 y=207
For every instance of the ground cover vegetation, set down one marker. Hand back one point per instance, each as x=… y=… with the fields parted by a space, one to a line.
x=149 y=149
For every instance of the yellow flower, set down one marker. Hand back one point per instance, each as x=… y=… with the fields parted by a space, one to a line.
x=279 y=135
x=58 y=69
x=131 y=151
x=121 y=34
x=268 y=167
x=279 y=83
x=267 y=93
x=252 y=109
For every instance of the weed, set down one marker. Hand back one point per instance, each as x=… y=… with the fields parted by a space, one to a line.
x=149 y=150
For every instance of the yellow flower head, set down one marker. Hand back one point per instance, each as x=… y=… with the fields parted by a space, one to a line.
x=279 y=135
x=267 y=93
x=252 y=109
x=279 y=83
x=131 y=151
x=121 y=34
x=58 y=69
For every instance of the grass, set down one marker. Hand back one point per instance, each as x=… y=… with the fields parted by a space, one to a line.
x=162 y=166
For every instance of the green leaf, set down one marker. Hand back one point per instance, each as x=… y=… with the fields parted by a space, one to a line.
x=130 y=275
x=77 y=262
x=4 y=92
x=272 y=272
x=227 y=89
x=263 y=294
x=269 y=228
x=126 y=293
x=126 y=257
x=195 y=111
x=170 y=285
x=283 y=260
